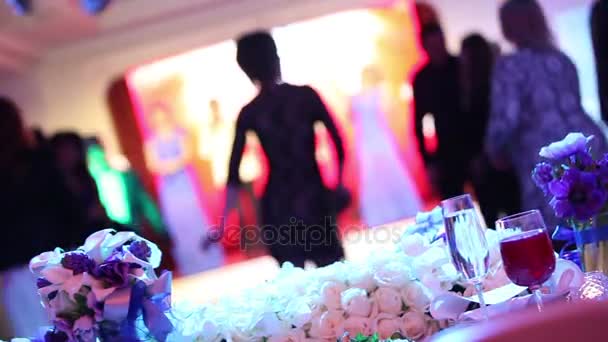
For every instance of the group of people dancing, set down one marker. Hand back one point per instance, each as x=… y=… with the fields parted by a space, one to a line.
x=493 y=113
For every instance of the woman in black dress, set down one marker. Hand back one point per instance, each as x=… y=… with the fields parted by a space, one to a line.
x=298 y=216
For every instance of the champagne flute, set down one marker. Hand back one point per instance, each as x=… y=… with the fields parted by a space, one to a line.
x=467 y=242
x=527 y=252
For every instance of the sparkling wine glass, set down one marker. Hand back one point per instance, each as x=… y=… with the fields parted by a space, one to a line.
x=527 y=252
x=467 y=242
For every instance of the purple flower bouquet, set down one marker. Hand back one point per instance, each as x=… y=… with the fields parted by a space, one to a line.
x=105 y=289
x=577 y=185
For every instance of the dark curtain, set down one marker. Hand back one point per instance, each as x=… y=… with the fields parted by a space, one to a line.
x=599 y=33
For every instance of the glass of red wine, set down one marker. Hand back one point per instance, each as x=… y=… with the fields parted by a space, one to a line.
x=527 y=252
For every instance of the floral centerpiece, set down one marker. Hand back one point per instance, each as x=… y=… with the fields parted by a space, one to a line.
x=105 y=289
x=387 y=296
x=577 y=185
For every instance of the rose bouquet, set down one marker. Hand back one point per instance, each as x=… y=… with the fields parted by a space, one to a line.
x=105 y=289
x=577 y=185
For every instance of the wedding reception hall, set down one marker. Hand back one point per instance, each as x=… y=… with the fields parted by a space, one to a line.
x=304 y=170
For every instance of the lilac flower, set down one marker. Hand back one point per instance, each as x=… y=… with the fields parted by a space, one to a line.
x=78 y=262
x=577 y=195
x=42 y=282
x=113 y=272
x=140 y=250
x=543 y=175
x=571 y=144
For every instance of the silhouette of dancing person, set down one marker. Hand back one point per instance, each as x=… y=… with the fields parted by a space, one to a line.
x=297 y=210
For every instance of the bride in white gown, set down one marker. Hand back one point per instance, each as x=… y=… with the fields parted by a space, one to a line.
x=387 y=192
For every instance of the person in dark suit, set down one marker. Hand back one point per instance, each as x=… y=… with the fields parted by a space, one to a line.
x=437 y=93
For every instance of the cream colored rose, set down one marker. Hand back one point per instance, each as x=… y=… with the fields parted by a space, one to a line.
x=413 y=325
x=295 y=335
x=416 y=296
x=356 y=303
x=394 y=274
x=414 y=245
x=358 y=325
x=363 y=278
x=388 y=300
x=331 y=294
x=388 y=327
x=327 y=325
x=297 y=312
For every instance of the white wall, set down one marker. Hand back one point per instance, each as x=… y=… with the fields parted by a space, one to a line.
x=23 y=89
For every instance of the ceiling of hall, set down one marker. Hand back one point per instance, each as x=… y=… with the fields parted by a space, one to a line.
x=55 y=24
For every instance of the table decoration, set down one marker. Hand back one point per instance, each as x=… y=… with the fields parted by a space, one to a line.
x=105 y=289
x=390 y=295
x=578 y=187
x=108 y=290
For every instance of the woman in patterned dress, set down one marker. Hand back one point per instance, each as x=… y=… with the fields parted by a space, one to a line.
x=298 y=220
x=535 y=100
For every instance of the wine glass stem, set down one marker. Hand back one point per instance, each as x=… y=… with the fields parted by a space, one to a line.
x=482 y=301
x=538 y=298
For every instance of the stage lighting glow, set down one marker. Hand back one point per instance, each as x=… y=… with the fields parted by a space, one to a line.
x=330 y=49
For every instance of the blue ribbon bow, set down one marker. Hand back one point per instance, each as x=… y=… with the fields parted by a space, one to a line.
x=148 y=301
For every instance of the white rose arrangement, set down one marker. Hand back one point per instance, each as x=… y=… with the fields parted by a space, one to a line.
x=387 y=296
